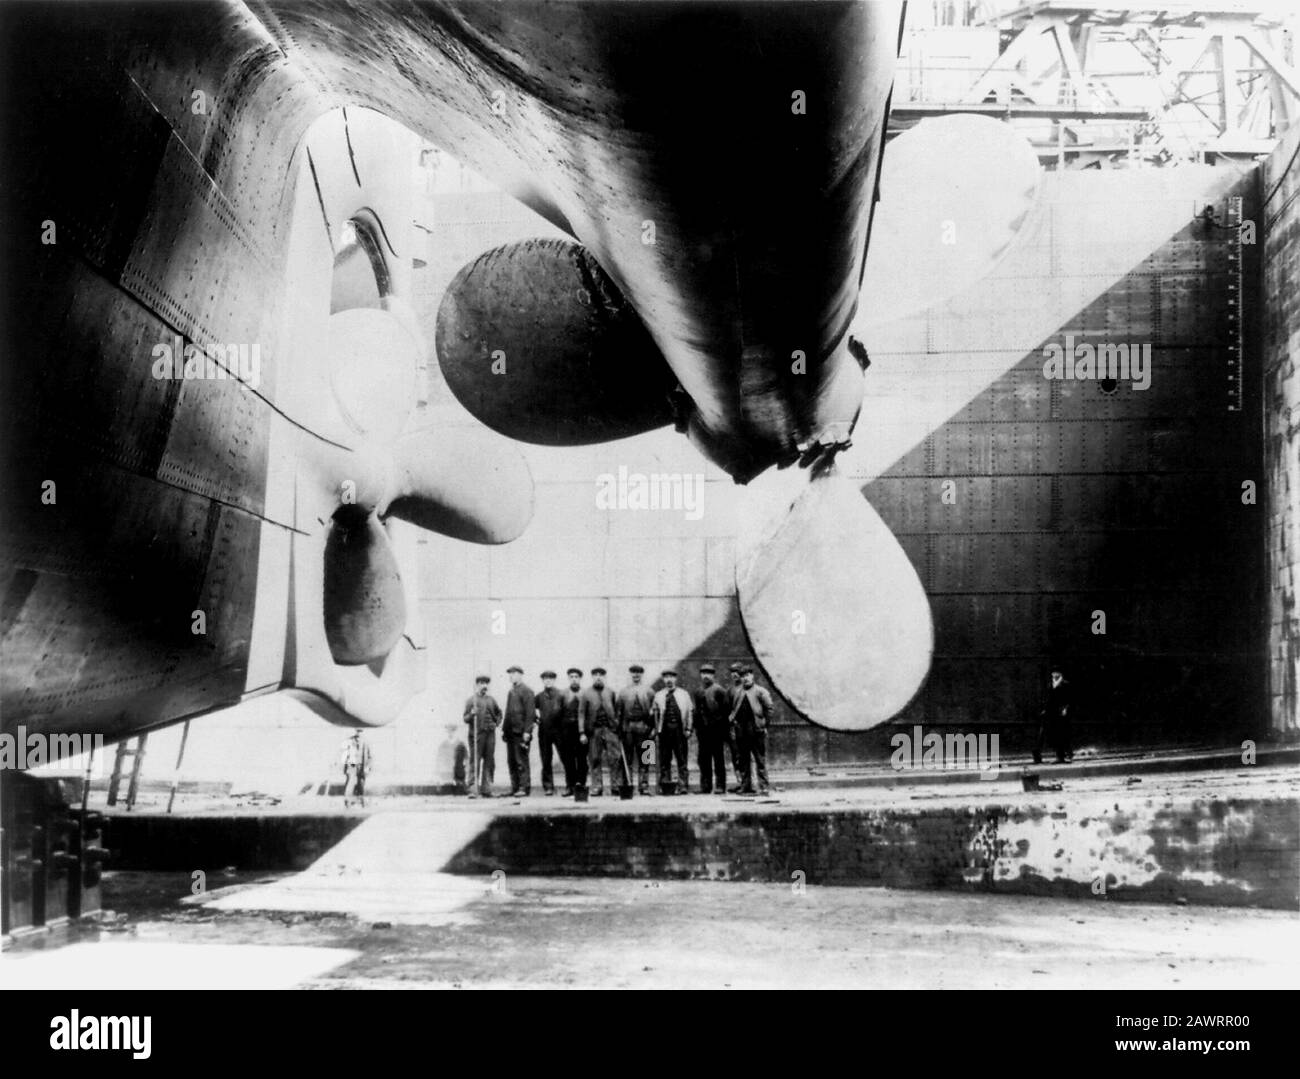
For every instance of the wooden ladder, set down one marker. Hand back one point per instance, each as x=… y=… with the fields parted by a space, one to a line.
x=124 y=750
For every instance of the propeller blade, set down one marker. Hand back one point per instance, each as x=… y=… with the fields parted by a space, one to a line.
x=461 y=482
x=954 y=192
x=834 y=610
x=365 y=607
x=537 y=341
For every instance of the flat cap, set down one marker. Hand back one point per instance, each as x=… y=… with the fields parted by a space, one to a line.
x=707 y=668
x=548 y=674
x=669 y=672
x=736 y=668
x=574 y=670
x=514 y=667
x=636 y=668
x=597 y=670
x=482 y=678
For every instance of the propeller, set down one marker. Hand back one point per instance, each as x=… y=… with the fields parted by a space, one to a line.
x=460 y=482
x=831 y=603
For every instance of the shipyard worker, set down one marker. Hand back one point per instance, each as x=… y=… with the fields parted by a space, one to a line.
x=674 y=714
x=574 y=738
x=734 y=670
x=733 y=744
x=712 y=711
x=600 y=723
x=550 y=730
x=356 y=766
x=517 y=730
x=483 y=716
x=751 y=713
x=1055 y=719
x=633 y=705
x=451 y=759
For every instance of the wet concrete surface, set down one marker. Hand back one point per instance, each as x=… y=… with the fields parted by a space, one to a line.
x=530 y=932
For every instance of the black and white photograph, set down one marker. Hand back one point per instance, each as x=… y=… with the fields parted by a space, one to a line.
x=652 y=495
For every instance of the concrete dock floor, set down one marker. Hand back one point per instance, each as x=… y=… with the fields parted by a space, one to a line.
x=545 y=933
x=392 y=899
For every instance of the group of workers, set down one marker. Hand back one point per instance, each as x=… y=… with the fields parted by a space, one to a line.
x=595 y=731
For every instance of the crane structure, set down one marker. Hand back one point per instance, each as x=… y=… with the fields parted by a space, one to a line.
x=1103 y=85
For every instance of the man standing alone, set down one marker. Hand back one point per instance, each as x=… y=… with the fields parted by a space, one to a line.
x=483 y=716
x=1055 y=719
x=356 y=766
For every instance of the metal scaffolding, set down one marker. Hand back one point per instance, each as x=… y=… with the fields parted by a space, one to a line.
x=1200 y=82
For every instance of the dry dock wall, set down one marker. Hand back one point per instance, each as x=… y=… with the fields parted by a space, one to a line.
x=1226 y=853
x=1162 y=848
x=1281 y=349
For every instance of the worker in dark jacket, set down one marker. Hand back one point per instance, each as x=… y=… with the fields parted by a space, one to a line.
x=521 y=715
x=1055 y=720
x=600 y=721
x=733 y=747
x=550 y=730
x=751 y=714
x=483 y=716
x=712 y=712
x=674 y=715
x=574 y=738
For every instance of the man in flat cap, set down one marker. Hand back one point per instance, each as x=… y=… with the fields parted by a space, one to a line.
x=733 y=739
x=600 y=720
x=483 y=715
x=674 y=715
x=574 y=737
x=550 y=730
x=521 y=714
x=712 y=722
x=751 y=712
x=634 y=703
